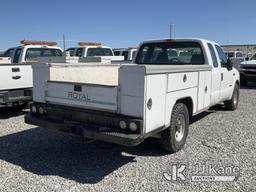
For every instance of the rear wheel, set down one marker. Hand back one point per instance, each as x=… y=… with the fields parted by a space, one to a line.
x=233 y=103
x=174 y=137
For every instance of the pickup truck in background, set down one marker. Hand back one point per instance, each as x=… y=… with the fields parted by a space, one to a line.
x=16 y=74
x=129 y=54
x=247 y=70
x=236 y=57
x=93 y=50
x=156 y=96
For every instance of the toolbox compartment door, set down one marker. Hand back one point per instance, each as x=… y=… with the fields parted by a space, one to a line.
x=79 y=95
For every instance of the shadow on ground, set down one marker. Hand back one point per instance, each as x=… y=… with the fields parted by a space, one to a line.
x=9 y=112
x=44 y=152
x=250 y=85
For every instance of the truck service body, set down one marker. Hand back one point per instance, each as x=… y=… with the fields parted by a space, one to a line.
x=124 y=104
x=16 y=74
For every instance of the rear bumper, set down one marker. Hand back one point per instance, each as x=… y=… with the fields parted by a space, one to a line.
x=12 y=96
x=102 y=133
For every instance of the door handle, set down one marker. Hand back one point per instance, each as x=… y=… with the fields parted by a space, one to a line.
x=15 y=69
x=16 y=77
x=222 y=76
x=185 y=78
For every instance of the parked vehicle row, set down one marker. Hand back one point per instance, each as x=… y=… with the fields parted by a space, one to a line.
x=169 y=82
x=93 y=50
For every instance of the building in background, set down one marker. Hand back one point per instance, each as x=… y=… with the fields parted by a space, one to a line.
x=248 y=50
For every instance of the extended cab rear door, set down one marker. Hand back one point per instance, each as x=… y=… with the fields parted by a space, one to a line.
x=227 y=77
x=216 y=76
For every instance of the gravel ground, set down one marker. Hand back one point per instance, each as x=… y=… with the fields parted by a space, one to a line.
x=35 y=159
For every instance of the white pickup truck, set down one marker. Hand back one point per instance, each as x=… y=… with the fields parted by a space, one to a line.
x=125 y=104
x=16 y=72
x=129 y=54
x=87 y=49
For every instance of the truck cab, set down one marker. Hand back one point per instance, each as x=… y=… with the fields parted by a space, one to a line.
x=129 y=54
x=169 y=82
x=93 y=50
x=29 y=51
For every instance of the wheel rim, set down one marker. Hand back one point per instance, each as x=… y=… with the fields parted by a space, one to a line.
x=180 y=127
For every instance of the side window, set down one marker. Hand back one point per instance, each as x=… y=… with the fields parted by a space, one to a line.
x=8 y=53
x=238 y=54
x=214 y=57
x=79 y=52
x=116 y=53
x=125 y=54
x=71 y=51
x=17 y=55
x=222 y=56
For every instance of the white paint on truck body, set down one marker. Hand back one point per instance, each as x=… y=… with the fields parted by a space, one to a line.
x=164 y=85
x=15 y=76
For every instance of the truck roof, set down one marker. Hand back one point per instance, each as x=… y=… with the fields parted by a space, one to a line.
x=36 y=46
x=93 y=46
x=180 y=39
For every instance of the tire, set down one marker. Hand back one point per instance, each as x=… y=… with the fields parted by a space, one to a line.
x=233 y=103
x=174 y=138
x=244 y=82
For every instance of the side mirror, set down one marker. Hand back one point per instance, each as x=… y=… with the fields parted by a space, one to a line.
x=229 y=64
x=247 y=59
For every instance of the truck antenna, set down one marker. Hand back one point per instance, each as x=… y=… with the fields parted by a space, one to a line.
x=171 y=28
x=64 y=42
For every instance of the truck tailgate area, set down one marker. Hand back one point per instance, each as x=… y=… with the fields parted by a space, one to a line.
x=15 y=76
x=82 y=95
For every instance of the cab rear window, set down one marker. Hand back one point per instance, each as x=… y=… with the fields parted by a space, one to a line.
x=42 y=52
x=99 y=52
x=171 y=53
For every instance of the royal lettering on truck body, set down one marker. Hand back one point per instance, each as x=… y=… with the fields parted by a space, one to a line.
x=168 y=83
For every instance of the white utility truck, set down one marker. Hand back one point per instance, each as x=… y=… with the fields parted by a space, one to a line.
x=129 y=54
x=157 y=95
x=16 y=72
x=88 y=49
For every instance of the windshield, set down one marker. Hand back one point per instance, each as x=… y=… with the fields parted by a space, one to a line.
x=99 y=52
x=42 y=52
x=171 y=53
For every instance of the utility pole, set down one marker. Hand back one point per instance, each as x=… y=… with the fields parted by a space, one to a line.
x=64 y=42
x=171 y=28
